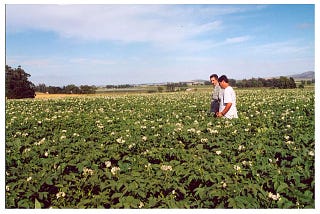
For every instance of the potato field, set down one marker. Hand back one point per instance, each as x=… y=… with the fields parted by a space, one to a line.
x=161 y=150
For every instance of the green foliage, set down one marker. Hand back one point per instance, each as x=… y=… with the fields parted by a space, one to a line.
x=161 y=151
x=282 y=82
x=17 y=84
x=69 y=89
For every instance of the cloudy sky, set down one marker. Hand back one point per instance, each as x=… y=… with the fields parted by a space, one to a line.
x=138 y=43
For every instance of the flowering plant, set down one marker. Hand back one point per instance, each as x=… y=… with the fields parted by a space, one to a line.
x=161 y=151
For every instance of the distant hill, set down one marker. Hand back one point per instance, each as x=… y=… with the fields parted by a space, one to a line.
x=309 y=75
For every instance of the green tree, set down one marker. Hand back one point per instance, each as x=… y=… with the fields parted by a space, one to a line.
x=72 y=89
x=171 y=87
x=86 y=89
x=41 y=88
x=160 y=89
x=17 y=84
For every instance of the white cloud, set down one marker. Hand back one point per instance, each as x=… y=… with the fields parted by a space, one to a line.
x=124 y=23
x=91 y=61
x=237 y=39
x=287 y=48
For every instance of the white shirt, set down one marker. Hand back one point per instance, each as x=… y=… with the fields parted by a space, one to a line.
x=228 y=96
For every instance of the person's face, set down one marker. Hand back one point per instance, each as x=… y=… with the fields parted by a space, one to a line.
x=223 y=84
x=213 y=81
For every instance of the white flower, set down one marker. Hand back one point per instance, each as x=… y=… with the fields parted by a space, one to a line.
x=311 y=153
x=166 y=168
x=193 y=130
x=224 y=184
x=60 y=194
x=218 y=152
x=144 y=138
x=29 y=179
x=114 y=170
x=289 y=142
x=247 y=163
x=241 y=147
x=46 y=154
x=131 y=145
x=120 y=140
x=87 y=171
x=274 y=197
x=237 y=168
x=7 y=188
x=100 y=126
x=108 y=164
x=204 y=140
x=141 y=204
x=212 y=131
x=40 y=142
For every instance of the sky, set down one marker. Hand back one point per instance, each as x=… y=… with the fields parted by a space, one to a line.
x=102 y=44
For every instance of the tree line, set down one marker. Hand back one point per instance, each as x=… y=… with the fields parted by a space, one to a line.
x=281 y=82
x=18 y=86
x=69 y=89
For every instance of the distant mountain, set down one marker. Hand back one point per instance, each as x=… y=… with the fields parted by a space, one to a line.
x=309 y=75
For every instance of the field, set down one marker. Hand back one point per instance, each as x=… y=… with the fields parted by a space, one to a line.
x=161 y=151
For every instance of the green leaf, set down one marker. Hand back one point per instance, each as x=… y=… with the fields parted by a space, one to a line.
x=200 y=147
x=37 y=204
x=201 y=192
x=281 y=187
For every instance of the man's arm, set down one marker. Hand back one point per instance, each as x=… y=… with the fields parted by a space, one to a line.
x=225 y=110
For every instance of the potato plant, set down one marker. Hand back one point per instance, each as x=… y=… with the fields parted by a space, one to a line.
x=161 y=151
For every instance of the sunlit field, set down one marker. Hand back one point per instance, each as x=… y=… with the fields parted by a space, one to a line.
x=161 y=150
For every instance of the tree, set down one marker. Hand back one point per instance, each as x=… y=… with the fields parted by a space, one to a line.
x=292 y=83
x=232 y=82
x=41 y=88
x=171 y=87
x=160 y=89
x=17 y=84
x=71 y=89
x=85 y=89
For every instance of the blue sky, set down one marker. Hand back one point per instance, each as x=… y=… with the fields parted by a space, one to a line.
x=139 y=43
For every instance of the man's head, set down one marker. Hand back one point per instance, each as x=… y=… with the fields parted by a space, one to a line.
x=214 y=79
x=223 y=81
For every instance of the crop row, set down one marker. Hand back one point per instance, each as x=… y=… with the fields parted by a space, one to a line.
x=161 y=151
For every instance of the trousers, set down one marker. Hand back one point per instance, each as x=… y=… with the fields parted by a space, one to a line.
x=214 y=108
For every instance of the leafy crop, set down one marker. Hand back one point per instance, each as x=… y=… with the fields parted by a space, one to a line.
x=161 y=151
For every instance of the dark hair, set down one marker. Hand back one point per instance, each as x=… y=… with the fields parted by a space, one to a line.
x=223 y=78
x=214 y=75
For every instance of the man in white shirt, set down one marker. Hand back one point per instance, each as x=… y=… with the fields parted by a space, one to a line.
x=228 y=105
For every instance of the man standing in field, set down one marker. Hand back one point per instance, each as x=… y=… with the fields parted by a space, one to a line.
x=228 y=107
x=214 y=108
